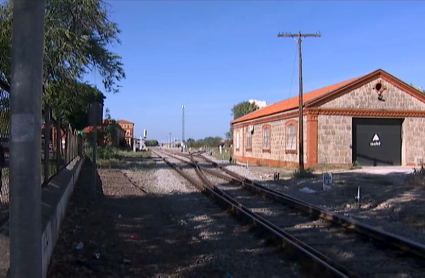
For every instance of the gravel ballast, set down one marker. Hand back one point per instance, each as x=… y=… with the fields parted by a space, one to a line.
x=392 y=202
x=149 y=221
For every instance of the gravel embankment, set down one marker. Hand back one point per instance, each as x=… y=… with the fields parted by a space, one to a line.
x=392 y=202
x=149 y=221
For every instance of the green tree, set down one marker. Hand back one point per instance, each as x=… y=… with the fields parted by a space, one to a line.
x=151 y=143
x=70 y=108
x=210 y=142
x=243 y=108
x=190 y=143
x=109 y=134
x=239 y=110
x=78 y=34
x=108 y=114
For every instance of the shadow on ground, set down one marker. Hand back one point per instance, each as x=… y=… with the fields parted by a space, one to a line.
x=130 y=234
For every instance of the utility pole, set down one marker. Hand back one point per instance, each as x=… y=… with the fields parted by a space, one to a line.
x=25 y=139
x=299 y=37
x=182 y=126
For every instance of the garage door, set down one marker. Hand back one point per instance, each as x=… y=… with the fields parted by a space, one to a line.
x=377 y=142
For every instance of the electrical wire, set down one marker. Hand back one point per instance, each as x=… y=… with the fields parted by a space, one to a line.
x=293 y=70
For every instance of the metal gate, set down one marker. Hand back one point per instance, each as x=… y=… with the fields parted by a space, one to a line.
x=377 y=141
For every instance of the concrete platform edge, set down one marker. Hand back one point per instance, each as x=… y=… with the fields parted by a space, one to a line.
x=51 y=229
x=55 y=198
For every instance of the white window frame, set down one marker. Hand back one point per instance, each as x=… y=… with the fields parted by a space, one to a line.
x=248 y=139
x=291 y=137
x=266 y=138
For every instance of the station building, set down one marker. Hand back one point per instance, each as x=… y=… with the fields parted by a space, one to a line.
x=375 y=120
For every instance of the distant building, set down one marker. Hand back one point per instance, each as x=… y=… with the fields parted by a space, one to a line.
x=116 y=137
x=129 y=130
x=260 y=103
x=52 y=137
x=119 y=133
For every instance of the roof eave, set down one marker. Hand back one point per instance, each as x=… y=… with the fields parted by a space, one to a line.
x=322 y=99
x=264 y=116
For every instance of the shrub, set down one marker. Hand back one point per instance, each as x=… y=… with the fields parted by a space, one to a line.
x=355 y=165
x=304 y=174
x=106 y=152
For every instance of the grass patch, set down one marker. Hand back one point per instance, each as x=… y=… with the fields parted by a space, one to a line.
x=355 y=165
x=221 y=156
x=108 y=163
x=134 y=154
x=128 y=160
x=327 y=167
x=286 y=174
x=304 y=174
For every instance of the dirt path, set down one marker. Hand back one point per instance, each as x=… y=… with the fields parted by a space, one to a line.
x=117 y=232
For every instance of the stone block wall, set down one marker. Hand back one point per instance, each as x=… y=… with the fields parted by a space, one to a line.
x=277 y=154
x=238 y=151
x=365 y=97
x=334 y=139
x=334 y=132
x=413 y=144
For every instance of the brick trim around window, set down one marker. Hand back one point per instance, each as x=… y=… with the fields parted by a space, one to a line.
x=238 y=141
x=266 y=149
x=248 y=134
x=293 y=150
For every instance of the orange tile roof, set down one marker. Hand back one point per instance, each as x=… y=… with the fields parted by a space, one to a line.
x=291 y=103
x=124 y=122
x=88 y=129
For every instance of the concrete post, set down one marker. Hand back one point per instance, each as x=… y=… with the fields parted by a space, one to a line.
x=25 y=146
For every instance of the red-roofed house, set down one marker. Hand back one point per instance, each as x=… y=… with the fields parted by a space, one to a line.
x=374 y=119
x=116 y=137
x=129 y=130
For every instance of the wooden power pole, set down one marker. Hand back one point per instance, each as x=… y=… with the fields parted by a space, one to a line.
x=299 y=37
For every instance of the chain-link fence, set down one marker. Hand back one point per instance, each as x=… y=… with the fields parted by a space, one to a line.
x=4 y=154
x=59 y=146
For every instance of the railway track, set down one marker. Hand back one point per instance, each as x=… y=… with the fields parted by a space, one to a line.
x=327 y=244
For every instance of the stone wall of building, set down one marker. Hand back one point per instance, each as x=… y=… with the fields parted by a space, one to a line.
x=335 y=132
x=365 y=97
x=277 y=154
x=334 y=139
x=413 y=144
x=238 y=147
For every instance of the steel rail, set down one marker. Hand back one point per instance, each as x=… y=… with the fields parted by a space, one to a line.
x=318 y=265
x=402 y=243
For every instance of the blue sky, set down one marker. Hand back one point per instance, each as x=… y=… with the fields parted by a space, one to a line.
x=211 y=55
